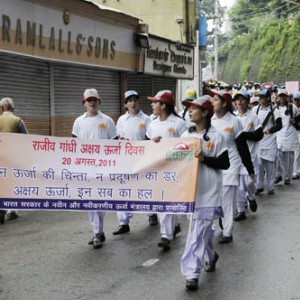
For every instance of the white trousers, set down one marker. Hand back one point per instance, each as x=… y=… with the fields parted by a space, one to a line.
x=124 y=217
x=269 y=168
x=287 y=161
x=243 y=192
x=96 y=219
x=167 y=225
x=297 y=163
x=199 y=242
x=229 y=207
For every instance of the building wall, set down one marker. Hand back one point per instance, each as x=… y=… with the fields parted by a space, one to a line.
x=162 y=16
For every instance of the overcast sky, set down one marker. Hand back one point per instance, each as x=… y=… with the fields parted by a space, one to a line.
x=227 y=3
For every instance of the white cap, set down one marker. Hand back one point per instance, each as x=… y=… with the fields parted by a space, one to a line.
x=90 y=93
x=131 y=93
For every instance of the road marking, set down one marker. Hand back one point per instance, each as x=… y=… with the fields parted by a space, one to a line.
x=150 y=262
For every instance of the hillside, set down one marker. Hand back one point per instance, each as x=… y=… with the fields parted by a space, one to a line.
x=271 y=53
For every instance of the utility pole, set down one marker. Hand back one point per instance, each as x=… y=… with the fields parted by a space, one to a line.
x=216 y=32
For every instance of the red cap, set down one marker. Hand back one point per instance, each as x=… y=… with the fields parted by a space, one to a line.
x=223 y=95
x=164 y=96
x=203 y=102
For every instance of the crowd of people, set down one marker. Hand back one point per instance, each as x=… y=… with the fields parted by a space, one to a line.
x=249 y=142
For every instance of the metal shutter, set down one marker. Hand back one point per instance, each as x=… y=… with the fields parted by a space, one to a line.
x=70 y=81
x=143 y=85
x=148 y=85
x=27 y=82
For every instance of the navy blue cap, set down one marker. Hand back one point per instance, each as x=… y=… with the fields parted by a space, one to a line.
x=264 y=93
x=296 y=96
x=246 y=95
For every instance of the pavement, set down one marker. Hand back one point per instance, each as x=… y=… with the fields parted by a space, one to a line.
x=45 y=255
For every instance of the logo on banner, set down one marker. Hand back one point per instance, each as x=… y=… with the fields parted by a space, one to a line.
x=180 y=151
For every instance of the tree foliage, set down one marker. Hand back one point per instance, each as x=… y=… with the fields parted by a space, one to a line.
x=247 y=15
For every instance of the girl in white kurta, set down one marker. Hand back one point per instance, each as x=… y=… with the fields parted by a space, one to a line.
x=231 y=128
x=167 y=124
x=270 y=120
x=130 y=126
x=213 y=157
x=287 y=137
x=253 y=133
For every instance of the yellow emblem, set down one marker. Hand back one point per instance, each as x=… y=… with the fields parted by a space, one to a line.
x=102 y=126
x=142 y=126
x=228 y=129
x=171 y=130
x=209 y=146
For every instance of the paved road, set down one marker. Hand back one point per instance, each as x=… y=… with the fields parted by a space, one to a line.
x=44 y=255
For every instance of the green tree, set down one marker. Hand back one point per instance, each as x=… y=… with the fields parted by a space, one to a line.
x=248 y=15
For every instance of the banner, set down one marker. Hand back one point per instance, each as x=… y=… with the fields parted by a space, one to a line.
x=53 y=173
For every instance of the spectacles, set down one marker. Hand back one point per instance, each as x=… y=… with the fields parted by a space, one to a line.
x=92 y=99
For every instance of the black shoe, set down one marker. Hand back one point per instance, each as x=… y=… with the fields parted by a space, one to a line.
x=2 y=216
x=101 y=237
x=278 y=179
x=211 y=267
x=225 y=239
x=177 y=229
x=221 y=223
x=164 y=243
x=153 y=220
x=12 y=216
x=287 y=182
x=252 y=204
x=259 y=191
x=271 y=192
x=296 y=177
x=240 y=217
x=97 y=241
x=191 y=284
x=122 y=229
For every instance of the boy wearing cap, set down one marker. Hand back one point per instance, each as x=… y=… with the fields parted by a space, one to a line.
x=10 y=123
x=131 y=126
x=253 y=133
x=94 y=124
x=168 y=124
x=270 y=121
x=296 y=172
x=287 y=137
x=213 y=158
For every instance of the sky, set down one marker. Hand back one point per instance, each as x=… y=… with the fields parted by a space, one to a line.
x=227 y=3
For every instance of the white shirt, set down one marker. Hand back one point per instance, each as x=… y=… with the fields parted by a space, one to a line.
x=100 y=126
x=172 y=127
x=287 y=137
x=209 y=184
x=230 y=127
x=133 y=127
x=250 y=123
x=269 y=140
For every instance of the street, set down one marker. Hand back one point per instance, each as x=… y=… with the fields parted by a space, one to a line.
x=45 y=255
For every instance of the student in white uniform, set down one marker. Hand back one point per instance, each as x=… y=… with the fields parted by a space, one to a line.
x=131 y=126
x=231 y=128
x=213 y=157
x=190 y=95
x=168 y=124
x=270 y=121
x=253 y=133
x=296 y=172
x=94 y=124
x=287 y=137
